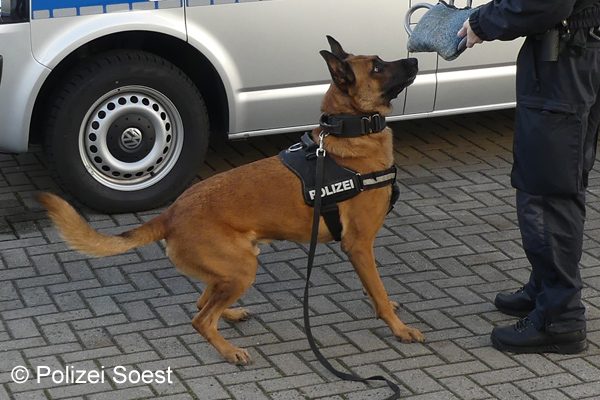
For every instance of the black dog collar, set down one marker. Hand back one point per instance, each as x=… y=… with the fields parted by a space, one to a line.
x=352 y=125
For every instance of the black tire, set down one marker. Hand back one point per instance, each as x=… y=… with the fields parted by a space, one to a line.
x=111 y=120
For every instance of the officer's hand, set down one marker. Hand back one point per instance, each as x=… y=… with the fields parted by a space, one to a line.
x=472 y=38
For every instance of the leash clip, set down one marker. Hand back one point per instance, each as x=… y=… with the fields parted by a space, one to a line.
x=321 y=150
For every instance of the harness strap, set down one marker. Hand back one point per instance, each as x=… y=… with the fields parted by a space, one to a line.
x=374 y=180
x=331 y=216
x=379 y=179
x=311 y=256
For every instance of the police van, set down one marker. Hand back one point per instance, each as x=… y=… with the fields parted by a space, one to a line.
x=126 y=93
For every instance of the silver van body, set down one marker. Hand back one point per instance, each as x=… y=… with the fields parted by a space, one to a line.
x=263 y=56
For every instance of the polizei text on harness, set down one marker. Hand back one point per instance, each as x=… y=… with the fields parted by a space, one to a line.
x=337 y=187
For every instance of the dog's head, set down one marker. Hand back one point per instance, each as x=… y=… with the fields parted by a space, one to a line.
x=369 y=83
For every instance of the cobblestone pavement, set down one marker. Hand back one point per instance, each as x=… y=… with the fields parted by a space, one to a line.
x=450 y=244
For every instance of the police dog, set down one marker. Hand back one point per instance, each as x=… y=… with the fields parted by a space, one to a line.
x=213 y=229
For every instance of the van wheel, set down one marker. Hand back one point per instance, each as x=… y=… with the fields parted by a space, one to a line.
x=127 y=131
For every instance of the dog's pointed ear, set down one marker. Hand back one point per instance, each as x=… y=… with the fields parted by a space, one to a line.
x=336 y=48
x=341 y=72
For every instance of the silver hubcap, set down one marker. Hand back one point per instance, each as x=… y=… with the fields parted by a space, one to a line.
x=131 y=138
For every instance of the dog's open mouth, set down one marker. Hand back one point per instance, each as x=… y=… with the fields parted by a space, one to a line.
x=396 y=89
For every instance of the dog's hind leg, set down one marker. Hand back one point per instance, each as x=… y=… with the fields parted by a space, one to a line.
x=228 y=265
x=230 y=314
x=222 y=294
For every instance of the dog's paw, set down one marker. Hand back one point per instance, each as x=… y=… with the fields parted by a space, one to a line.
x=236 y=314
x=238 y=356
x=410 y=335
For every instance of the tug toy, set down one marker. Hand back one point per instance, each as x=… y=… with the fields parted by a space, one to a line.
x=436 y=30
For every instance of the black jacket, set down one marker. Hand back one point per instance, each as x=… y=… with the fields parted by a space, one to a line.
x=509 y=19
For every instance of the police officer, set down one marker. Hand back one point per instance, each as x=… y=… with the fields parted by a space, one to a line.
x=556 y=130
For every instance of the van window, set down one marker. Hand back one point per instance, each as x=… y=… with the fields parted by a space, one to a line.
x=12 y=11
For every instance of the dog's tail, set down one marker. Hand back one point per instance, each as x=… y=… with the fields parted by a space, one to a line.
x=83 y=238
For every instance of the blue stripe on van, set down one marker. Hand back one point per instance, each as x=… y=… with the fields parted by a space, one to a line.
x=37 y=5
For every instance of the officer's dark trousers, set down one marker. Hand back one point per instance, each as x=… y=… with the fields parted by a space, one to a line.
x=557 y=120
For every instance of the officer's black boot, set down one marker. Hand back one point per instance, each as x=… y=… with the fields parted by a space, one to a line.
x=523 y=337
x=518 y=304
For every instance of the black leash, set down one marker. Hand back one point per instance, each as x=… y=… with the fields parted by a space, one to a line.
x=311 y=255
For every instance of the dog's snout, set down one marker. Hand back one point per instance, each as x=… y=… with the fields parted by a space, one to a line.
x=412 y=66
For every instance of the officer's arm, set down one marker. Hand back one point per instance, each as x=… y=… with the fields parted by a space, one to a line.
x=509 y=19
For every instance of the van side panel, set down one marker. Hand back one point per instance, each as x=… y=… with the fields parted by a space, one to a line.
x=22 y=78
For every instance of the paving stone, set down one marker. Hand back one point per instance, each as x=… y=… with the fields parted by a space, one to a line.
x=124 y=394
x=35 y=296
x=464 y=388
x=552 y=394
x=296 y=381
x=591 y=389
x=507 y=391
x=22 y=328
x=581 y=369
x=95 y=338
x=501 y=376
x=103 y=305
x=547 y=382
x=207 y=388
x=417 y=362
x=539 y=364
x=455 y=369
x=494 y=358
x=58 y=333
x=418 y=381
x=78 y=390
x=29 y=395
x=450 y=352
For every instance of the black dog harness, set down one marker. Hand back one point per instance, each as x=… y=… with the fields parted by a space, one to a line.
x=339 y=183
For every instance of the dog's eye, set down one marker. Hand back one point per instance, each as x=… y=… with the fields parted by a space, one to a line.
x=377 y=67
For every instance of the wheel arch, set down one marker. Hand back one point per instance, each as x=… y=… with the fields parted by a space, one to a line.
x=189 y=59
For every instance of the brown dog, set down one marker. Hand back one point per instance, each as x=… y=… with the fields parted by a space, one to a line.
x=213 y=229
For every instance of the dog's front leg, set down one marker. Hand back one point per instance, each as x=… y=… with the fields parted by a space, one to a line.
x=363 y=259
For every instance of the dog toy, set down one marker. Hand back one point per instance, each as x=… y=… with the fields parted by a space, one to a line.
x=436 y=30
